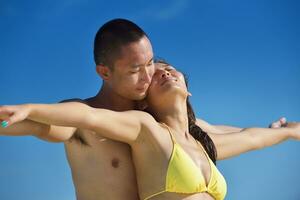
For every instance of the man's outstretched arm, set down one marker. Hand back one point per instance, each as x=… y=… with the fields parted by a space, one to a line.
x=43 y=131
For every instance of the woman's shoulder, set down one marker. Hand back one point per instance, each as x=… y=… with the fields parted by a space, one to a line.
x=144 y=116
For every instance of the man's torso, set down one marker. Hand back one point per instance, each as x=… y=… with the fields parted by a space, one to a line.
x=101 y=168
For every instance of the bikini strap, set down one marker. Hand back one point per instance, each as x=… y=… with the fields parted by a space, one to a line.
x=169 y=130
x=199 y=144
x=203 y=149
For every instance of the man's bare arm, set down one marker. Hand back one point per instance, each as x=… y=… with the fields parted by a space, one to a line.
x=46 y=132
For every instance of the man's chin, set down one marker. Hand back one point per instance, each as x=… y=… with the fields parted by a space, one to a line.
x=140 y=96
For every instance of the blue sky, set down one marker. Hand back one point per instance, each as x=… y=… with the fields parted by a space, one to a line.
x=242 y=59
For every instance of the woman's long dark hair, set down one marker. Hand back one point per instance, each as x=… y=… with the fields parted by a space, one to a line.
x=199 y=134
x=195 y=130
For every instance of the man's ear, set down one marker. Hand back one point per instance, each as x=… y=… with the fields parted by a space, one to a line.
x=103 y=71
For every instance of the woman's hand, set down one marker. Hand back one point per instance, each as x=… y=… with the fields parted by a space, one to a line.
x=282 y=122
x=13 y=114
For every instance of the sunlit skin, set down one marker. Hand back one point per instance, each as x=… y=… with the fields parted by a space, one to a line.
x=149 y=140
x=163 y=86
x=104 y=169
x=131 y=74
x=107 y=171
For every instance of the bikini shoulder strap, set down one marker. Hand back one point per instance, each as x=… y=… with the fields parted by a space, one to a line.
x=170 y=132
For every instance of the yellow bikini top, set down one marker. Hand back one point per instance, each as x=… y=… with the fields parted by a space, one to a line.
x=184 y=177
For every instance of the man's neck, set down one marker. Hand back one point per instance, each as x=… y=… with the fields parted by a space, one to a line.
x=108 y=99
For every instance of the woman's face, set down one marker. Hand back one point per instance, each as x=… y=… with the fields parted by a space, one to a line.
x=166 y=82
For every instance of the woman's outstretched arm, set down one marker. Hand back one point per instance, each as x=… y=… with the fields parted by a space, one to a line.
x=249 y=139
x=122 y=126
x=225 y=129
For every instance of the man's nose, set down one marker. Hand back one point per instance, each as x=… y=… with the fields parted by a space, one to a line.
x=147 y=76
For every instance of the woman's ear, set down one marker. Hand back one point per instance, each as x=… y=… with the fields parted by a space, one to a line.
x=103 y=71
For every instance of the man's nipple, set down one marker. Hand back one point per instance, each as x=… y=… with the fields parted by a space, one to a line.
x=115 y=162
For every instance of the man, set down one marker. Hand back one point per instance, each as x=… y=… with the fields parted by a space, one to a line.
x=102 y=168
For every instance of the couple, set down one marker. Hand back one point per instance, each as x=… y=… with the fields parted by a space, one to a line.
x=169 y=163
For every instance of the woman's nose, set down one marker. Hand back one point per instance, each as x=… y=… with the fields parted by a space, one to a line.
x=165 y=74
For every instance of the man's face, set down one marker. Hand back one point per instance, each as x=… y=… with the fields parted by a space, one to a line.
x=133 y=71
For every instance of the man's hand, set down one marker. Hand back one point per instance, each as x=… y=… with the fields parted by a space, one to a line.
x=12 y=114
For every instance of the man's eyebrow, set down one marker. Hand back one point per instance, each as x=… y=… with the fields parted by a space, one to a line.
x=151 y=60
x=140 y=65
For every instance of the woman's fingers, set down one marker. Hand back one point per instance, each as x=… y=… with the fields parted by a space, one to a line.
x=5 y=113
x=11 y=114
x=275 y=125
x=4 y=124
x=282 y=122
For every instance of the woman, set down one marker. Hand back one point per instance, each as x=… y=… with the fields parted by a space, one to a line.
x=173 y=157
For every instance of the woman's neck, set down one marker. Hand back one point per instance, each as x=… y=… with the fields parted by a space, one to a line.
x=174 y=114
